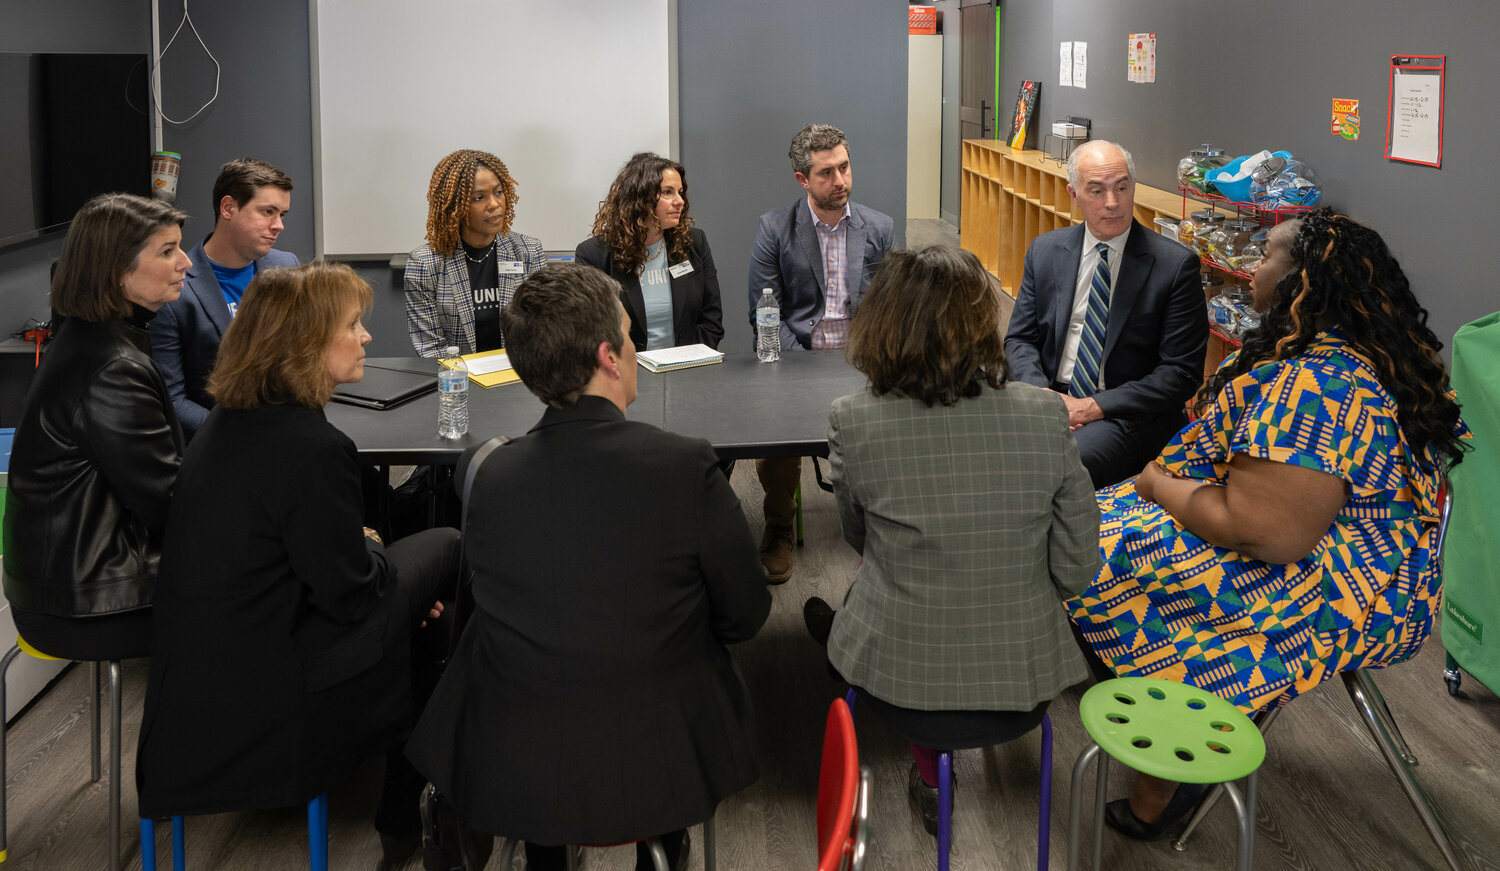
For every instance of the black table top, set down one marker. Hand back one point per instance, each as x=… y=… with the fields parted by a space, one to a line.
x=744 y=408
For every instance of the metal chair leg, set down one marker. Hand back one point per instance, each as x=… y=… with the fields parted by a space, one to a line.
x=658 y=854
x=507 y=853
x=1244 y=814
x=96 y=708
x=1263 y=720
x=1075 y=804
x=1044 y=820
x=317 y=833
x=1452 y=676
x=710 y=849
x=114 y=761
x=10 y=657
x=1367 y=683
x=1419 y=801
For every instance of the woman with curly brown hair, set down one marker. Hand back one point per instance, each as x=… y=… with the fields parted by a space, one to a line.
x=1288 y=534
x=644 y=239
x=965 y=496
x=471 y=264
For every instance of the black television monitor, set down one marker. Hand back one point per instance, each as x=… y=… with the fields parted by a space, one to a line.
x=71 y=126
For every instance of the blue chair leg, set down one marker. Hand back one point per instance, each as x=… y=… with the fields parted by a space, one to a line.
x=317 y=832
x=1044 y=823
x=179 y=845
x=148 y=845
x=945 y=808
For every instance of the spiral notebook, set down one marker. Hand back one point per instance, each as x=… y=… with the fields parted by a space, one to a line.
x=680 y=357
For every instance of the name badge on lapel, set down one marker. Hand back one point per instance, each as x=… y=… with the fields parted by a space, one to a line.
x=512 y=267
x=680 y=269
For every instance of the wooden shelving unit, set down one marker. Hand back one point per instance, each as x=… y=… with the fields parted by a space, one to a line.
x=1010 y=197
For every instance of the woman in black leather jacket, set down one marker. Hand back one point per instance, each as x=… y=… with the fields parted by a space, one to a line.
x=97 y=447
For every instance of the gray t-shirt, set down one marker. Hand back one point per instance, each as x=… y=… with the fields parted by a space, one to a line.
x=656 y=290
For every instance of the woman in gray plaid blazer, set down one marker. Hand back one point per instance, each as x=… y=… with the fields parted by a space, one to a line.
x=471 y=264
x=965 y=495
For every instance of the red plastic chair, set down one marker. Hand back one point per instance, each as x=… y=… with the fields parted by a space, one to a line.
x=843 y=795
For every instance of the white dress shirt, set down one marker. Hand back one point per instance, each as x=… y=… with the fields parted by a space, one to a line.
x=1086 y=266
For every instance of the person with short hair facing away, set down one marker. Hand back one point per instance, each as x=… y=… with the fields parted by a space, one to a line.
x=287 y=639
x=251 y=202
x=1110 y=315
x=459 y=280
x=952 y=629
x=817 y=254
x=1289 y=533
x=644 y=238
x=97 y=446
x=592 y=698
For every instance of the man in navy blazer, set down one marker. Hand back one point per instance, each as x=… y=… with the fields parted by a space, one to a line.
x=251 y=198
x=1155 y=333
x=817 y=256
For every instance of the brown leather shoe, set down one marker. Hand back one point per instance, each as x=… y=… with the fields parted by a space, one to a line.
x=776 y=555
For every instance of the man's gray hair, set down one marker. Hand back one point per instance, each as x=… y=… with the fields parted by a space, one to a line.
x=1097 y=143
x=814 y=137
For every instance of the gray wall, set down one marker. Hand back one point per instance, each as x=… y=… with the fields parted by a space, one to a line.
x=113 y=26
x=751 y=75
x=1287 y=61
x=948 y=199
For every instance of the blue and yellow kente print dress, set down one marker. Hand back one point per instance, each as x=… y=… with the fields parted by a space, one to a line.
x=1168 y=604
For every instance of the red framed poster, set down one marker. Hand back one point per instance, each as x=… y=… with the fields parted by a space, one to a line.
x=1414 y=109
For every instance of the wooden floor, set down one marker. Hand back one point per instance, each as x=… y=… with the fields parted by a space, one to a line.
x=1326 y=798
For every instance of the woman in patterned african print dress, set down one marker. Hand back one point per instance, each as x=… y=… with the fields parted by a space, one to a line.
x=1288 y=533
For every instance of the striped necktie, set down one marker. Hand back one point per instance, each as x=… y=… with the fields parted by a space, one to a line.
x=1091 y=342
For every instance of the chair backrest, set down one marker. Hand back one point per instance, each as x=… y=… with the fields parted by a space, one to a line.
x=838 y=791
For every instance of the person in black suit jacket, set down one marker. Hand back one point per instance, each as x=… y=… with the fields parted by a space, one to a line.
x=644 y=239
x=592 y=698
x=284 y=637
x=1156 y=333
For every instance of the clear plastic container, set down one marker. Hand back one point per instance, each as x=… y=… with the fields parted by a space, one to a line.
x=1282 y=182
x=1191 y=169
x=1228 y=241
x=1197 y=227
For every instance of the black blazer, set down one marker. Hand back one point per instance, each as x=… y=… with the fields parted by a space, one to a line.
x=592 y=698
x=1157 y=332
x=697 y=315
x=280 y=656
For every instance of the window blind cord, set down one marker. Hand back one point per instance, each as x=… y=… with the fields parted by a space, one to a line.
x=156 y=65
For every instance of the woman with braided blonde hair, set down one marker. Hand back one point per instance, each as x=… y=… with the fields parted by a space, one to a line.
x=645 y=239
x=1289 y=533
x=472 y=262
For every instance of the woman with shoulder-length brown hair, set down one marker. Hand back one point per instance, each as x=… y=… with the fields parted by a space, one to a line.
x=285 y=630
x=965 y=496
x=97 y=446
x=644 y=238
x=472 y=262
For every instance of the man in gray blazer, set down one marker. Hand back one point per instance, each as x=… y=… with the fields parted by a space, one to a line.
x=817 y=255
x=1110 y=315
x=251 y=199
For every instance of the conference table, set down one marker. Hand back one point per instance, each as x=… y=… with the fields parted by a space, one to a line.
x=743 y=407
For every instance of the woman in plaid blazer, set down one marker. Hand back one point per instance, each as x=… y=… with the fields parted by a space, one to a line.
x=471 y=264
x=965 y=495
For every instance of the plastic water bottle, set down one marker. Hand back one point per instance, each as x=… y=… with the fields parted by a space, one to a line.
x=453 y=395
x=767 y=328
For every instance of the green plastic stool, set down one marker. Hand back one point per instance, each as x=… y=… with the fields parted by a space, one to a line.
x=1172 y=731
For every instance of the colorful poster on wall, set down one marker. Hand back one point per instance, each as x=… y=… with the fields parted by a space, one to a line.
x=1020 y=124
x=1140 y=58
x=1346 y=119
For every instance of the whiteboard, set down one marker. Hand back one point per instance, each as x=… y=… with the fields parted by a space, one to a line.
x=563 y=92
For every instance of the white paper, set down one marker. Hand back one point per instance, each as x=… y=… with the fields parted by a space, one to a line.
x=488 y=364
x=1416 y=101
x=1080 y=65
x=1065 y=67
x=679 y=354
x=1140 y=58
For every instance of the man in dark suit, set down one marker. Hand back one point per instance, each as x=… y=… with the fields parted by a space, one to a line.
x=1110 y=315
x=817 y=255
x=592 y=698
x=251 y=198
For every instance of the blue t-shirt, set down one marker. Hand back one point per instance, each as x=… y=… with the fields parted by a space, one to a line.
x=656 y=291
x=233 y=283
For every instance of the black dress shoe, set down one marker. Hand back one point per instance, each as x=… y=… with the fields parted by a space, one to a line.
x=924 y=800
x=818 y=617
x=1184 y=801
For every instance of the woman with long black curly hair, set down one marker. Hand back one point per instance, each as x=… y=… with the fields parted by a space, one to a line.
x=1288 y=534
x=645 y=239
